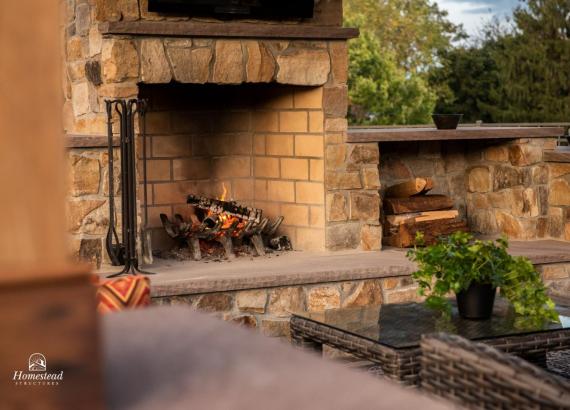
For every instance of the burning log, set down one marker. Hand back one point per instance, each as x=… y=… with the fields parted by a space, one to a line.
x=217 y=206
x=224 y=222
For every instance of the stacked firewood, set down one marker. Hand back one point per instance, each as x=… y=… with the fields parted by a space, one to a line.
x=408 y=209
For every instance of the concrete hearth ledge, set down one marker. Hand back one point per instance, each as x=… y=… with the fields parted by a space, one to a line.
x=300 y=268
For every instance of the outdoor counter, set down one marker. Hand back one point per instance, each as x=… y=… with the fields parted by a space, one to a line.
x=384 y=134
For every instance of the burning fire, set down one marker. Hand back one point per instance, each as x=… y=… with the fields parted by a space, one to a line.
x=227 y=220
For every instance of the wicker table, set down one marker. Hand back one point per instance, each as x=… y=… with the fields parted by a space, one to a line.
x=389 y=335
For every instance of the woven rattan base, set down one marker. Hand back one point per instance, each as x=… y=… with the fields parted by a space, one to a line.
x=403 y=364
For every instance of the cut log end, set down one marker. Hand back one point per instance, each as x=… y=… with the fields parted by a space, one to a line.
x=416 y=186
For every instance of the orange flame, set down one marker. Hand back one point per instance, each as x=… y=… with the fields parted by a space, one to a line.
x=228 y=220
x=224 y=193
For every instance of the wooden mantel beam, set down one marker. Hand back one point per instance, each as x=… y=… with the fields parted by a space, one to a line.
x=227 y=30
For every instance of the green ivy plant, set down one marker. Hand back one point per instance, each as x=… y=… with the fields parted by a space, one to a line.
x=457 y=260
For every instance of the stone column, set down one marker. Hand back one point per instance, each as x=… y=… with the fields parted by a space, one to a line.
x=351 y=175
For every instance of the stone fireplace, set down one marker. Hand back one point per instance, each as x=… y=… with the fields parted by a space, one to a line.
x=255 y=107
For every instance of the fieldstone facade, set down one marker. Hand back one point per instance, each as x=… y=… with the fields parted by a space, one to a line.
x=87 y=206
x=269 y=309
x=511 y=190
x=119 y=65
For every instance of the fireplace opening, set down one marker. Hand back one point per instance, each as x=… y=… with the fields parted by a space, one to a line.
x=234 y=169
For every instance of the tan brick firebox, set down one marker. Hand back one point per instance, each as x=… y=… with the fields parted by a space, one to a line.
x=256 y=107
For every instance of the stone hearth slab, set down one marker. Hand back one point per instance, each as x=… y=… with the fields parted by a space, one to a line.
x=300 y=268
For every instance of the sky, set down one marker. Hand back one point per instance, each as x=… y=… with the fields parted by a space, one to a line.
x=474 y=13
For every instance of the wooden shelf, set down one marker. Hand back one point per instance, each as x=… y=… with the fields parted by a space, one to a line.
x=364 y=134
x=226 y=29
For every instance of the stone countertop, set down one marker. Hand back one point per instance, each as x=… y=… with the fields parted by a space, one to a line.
x=390 y=134
x=301 y=268
x=176 y=358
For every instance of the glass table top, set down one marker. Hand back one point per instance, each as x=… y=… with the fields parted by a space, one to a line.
x=402 y=325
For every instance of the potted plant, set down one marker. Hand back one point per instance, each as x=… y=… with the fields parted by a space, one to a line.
x=473 y=270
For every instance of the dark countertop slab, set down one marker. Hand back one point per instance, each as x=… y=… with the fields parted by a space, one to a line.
x=386 y=134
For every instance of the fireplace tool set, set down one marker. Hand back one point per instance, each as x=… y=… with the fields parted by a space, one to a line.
x=124 y=251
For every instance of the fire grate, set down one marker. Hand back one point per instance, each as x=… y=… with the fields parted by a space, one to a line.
x=227 y=223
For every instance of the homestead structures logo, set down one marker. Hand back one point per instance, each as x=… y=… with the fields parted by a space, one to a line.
x=37 y=374
x=37 y=363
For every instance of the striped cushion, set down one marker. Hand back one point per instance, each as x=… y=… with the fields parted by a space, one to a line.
x=122 y=293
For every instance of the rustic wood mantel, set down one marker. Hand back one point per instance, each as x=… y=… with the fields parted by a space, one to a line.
x=227 y=30
x=372 y=134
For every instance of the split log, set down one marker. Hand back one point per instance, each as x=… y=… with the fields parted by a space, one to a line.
x=432 y=230
x=416 y=186
x=231 y=208
x=396 y=220
x=424 y=203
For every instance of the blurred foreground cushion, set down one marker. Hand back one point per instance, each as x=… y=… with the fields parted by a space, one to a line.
x=127 y=292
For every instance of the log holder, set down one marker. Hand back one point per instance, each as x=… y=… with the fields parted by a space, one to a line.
x=124 y=251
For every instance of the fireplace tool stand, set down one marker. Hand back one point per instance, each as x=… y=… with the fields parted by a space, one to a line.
x=125 y=252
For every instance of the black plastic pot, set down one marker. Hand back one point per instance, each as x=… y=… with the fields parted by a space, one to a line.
x=477 y=301
x=446 y=121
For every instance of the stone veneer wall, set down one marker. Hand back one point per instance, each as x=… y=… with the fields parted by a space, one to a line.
x=100 y=67
x=352 y=185
x=512 y=190
x=269 y=309
x=87 y=206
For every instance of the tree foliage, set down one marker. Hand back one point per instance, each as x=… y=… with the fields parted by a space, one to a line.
x=516 y=74
x=381 y=92
x=400 y=43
